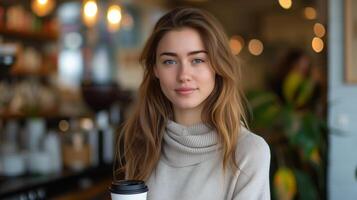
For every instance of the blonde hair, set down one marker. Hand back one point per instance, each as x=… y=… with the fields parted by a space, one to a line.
x=223 y=110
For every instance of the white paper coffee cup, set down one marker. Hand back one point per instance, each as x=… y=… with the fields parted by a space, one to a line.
x=128 y=190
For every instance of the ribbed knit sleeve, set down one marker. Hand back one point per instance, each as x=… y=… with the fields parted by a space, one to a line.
x=253 y=180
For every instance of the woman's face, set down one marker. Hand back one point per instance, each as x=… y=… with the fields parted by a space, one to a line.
x=183 y=69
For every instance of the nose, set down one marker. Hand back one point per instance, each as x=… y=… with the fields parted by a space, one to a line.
x=184 y=72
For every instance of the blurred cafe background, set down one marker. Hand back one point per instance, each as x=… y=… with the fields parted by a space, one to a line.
x=69 y=74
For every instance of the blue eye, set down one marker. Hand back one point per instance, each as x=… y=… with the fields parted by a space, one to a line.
x=196 y=61
x=169 y=62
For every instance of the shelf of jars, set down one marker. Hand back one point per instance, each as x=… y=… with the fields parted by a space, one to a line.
x=28 y=41
x=19 y=110
x=34 y=96
x=41 y=153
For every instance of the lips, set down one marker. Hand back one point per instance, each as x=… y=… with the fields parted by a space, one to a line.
x=185 y=90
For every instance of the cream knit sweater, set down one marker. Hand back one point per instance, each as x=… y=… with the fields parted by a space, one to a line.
x=190 y=167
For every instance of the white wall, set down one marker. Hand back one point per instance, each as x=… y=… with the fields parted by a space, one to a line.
x=342 y=164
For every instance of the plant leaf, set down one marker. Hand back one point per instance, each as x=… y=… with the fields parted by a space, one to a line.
x=306 y=188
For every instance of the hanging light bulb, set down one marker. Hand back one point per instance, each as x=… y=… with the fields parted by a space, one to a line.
x=114 y=17
x=286 y=4
x=90 y=12
x=42 y=7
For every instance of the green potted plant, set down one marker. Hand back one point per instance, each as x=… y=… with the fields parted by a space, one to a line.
x=296 y=135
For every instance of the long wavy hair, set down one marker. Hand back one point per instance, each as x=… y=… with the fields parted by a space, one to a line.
x=223 y=110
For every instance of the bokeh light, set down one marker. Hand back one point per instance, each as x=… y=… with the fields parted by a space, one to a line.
x=63 y=125
x=90 y=11
x=286 y=4
x=255 y=47
x=317 y=44
x=236 y=44
x=114 y=17
x=310 y=13
x=42 y=7
x=319 y=30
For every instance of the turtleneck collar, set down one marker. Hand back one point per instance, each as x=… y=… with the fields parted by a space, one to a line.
x=188 y=145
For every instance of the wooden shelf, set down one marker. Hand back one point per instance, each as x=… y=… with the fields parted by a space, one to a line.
x=97 y=191
x=42 y=71
x=27 y=35
x=61 y=184
x=48 y=115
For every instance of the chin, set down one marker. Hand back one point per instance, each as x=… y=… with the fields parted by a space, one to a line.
x=186 y=105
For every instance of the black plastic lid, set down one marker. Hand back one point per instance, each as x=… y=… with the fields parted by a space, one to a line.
x=128 y=187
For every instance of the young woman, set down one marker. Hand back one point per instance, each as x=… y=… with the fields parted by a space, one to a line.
x=187 y=137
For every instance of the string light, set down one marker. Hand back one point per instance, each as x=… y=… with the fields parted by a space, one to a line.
x=319 y=30
x=317 y=44
x=310 y=13
x=255 y=47
x=236 y=44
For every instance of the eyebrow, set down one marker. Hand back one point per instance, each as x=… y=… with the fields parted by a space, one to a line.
x=189 y=53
